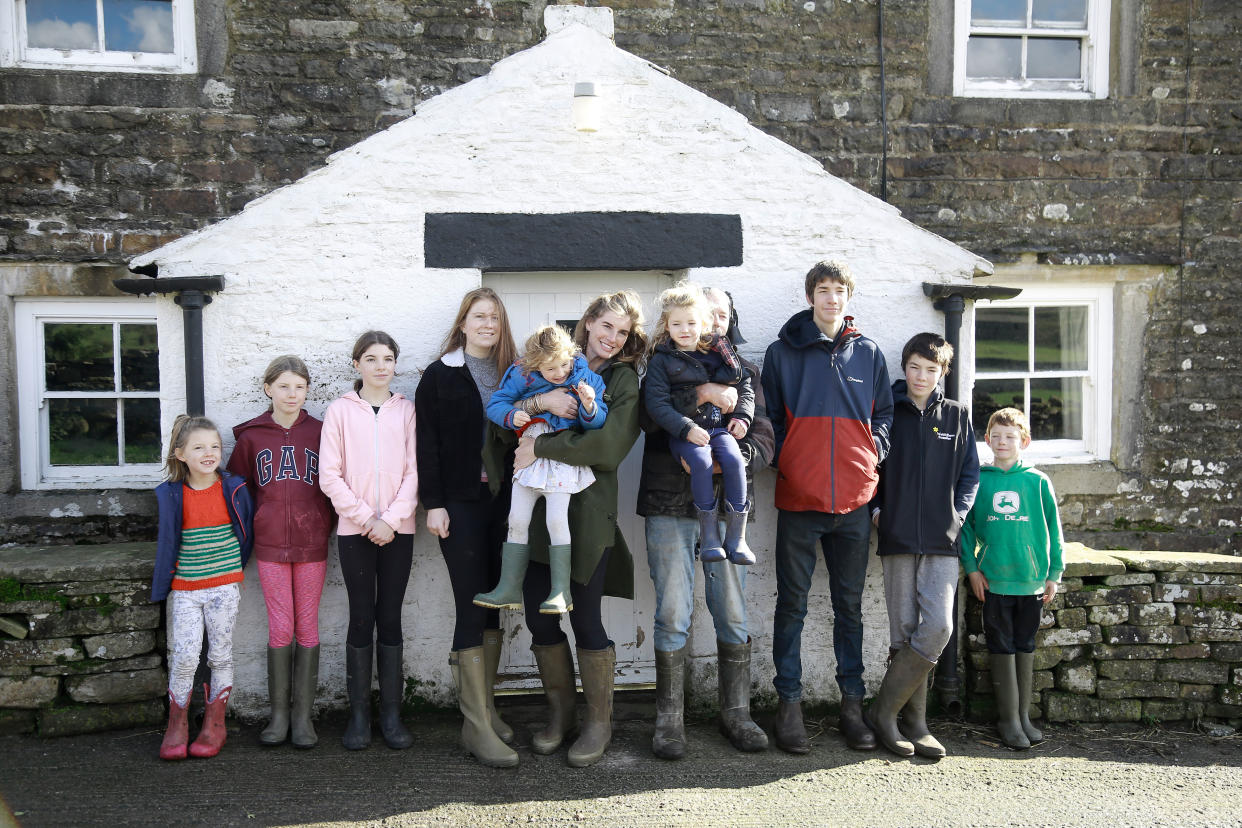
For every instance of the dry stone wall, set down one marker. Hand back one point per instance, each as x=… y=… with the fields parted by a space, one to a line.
x=1131 y=636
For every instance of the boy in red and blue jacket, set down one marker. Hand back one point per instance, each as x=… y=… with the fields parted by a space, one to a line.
x=831 y=407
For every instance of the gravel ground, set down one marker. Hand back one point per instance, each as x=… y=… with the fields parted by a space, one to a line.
x=1099 y=776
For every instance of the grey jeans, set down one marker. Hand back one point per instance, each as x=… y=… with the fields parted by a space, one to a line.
x=918 y=590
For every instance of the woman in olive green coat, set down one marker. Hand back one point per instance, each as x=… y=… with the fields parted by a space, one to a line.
x=611 y=338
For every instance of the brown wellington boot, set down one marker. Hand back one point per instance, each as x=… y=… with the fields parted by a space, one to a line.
x=492 y=640
x=477 y=736
x=598 y=668
x=556 y=671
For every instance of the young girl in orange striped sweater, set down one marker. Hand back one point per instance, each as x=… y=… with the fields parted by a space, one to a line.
x=204 y=540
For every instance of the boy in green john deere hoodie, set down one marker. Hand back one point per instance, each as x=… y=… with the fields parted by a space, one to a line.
x=1011 y=549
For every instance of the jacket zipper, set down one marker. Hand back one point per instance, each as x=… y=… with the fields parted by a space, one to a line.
x=832 y=442
x=918 y=526
x=375 y=443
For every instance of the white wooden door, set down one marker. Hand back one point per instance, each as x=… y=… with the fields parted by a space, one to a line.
x=534 y=299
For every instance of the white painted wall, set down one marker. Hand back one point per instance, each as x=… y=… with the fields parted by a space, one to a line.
x=310 y=266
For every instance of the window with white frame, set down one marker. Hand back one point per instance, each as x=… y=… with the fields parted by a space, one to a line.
x=1031 y=48
x=88 y=393
x=99 y=35
x=1048 y=353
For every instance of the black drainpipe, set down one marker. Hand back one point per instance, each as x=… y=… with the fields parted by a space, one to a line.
x=951 y=300
x=192 y=295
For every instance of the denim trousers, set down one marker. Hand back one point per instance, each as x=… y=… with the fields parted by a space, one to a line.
x=845 y=540
x=670 y=555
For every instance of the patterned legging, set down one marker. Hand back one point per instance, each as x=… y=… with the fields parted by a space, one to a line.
x=191 y=611
x=292 y=591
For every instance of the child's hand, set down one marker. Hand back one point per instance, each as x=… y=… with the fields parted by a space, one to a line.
x=978 y=585
x=380 y=533
x=520 y=418
x=1050 y=591
x=438 y=522
x=698 y=436
x=737 y=428
x=586 y=394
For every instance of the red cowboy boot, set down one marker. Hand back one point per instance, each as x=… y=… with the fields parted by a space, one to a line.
x=177 y=734
x=211 y=737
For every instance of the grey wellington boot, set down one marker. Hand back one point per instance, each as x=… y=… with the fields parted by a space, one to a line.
x=1005 y=688
x=279 y=661
x=735 y=536
x=560 y=599
x=733 y=667
x=913 y=725
x=305 y=685
x=508 y=592
x=710 y=548
x=358 y=685
x=477 y=736
x=391 y=671
x=669 y=741
x=1024 y=665
x=906 y=671
x=556 y=671
x=598 y=668
x=492 y=639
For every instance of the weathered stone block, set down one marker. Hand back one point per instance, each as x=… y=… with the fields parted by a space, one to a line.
x=1193 y=562
x=1110 y=689
x=28 y=607
x=1042 y=680
x=94 y=621
x=1164 y=711
x=1081 y=562
x=71 y=721
x=1231 y=592
x=1125 y=634
x=1231 y=694
x=17 y=722
x=110 y=688
x=1212 y=635
x=1205 y=579
x=15 y=671
x=1047 y=657
x=1074 y=619
x=32 y=652
x=1219 y=619
x=1223 y=711
x=29 y=692
x=1109 y=595
x=1237 y=675
x=1048 y=619
x=97 y=665
x=1068 y=638
x=1227 y=652
x=1127 y=670
x=1198 y=692
x=1148 y=615
x=322 y=28
x=1195 y=672
x=1130 y=579
x=119 y=645
x=1068 y=707
x=1175 y=593
x=1110 y=615
x=1076 y=678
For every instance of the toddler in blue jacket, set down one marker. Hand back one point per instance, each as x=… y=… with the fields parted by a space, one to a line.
x=551 y=360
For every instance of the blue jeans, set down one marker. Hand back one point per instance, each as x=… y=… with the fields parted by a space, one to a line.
x=845 y=540
x=670 y=555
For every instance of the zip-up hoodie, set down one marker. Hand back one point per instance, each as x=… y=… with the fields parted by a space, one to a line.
x=928 y=481
x=517 y=385
x=368 y=462
x=292 y=515
x=1013 y=533
x=170 y=496
x=831 y=408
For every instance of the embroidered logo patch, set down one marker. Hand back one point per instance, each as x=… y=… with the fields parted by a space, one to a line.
x=1006 y=503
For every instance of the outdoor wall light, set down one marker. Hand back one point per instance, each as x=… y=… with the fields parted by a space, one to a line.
x=588 y=108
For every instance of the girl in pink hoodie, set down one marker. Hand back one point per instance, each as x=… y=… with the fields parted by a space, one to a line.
x=368 y=468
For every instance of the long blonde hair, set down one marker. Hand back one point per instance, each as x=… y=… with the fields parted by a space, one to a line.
x=183 y=427
x=681 y=296
x=622 y=303
x=504 y=352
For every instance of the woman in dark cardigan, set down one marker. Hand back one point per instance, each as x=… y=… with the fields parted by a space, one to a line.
x=462 y=510
x=611 y=338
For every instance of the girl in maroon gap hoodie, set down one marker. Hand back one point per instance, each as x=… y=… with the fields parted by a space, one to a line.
x=278 y=454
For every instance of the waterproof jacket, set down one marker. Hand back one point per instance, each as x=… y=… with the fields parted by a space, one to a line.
x=517 y=385
x=292 y=516
x=451 y=425
x=169 y=496
x=664 y=488
x=1013 y=532
x=368 y=462
x=831 y=409
x=592 y=511
x=671 y=369
x=929 y=478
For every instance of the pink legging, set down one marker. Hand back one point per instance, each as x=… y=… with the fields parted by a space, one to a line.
x=292 y=592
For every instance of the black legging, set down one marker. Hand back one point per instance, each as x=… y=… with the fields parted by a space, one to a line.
x=375 y=579
x=585 y=617
x=472 y=555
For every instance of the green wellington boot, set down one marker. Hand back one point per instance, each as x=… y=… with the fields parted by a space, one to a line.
x=470 y=676
x=913 y=725
x=598 y=668
x=560 y=599
x=904 y=674
x=1024 y=666
x=556 y=672
x=1005 y=688
x=279 y=662
x=508 y=593
x=492 y=640
x=305 y=685
x=669 y=741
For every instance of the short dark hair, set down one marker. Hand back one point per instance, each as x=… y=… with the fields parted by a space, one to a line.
x=829 y=270
x=929 y=346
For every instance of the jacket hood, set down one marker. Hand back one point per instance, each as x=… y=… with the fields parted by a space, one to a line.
x=1017 y=467
x=801 y=332
x=901 y=395
x=265 y=420
x=353 y=397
